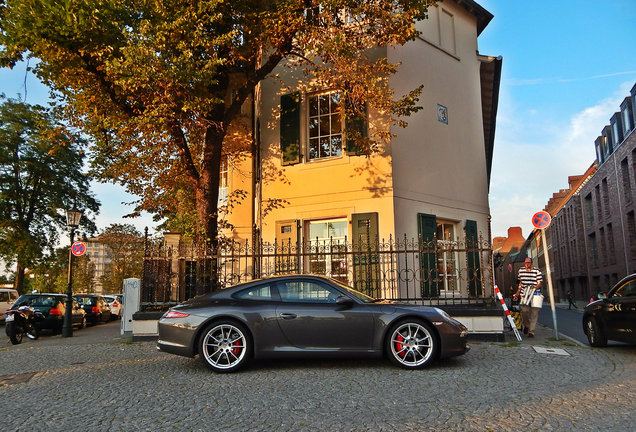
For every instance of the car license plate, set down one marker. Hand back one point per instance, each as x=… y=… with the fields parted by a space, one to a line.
x=9 y=318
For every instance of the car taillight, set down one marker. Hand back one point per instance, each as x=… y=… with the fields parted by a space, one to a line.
x=175 y=314
x=56 y=310
x=115 y=304
x=95 y=309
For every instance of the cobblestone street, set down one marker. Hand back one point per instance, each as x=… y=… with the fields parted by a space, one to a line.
x=55 y=384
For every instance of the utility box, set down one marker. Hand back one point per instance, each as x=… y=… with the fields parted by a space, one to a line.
x=132 y=301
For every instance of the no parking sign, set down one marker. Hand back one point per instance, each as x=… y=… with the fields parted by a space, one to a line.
x=541 y=220
x=78 y=248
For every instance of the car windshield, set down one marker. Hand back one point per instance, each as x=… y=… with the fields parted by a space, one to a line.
x=86 y=300
x=357 y=294
x=37 y=300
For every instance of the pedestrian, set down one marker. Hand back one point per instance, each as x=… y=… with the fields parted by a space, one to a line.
x=570 y=300
x=530 y=280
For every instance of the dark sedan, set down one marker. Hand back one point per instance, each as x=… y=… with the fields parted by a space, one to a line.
x=306 y=316
x=96 y=307
x=53 y=307
x=613 y=317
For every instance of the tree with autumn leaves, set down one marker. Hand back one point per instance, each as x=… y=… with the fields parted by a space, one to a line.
x=158 y=85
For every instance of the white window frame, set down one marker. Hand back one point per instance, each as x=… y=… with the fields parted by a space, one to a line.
x=319 y=136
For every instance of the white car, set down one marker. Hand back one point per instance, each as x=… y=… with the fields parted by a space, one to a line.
x=115 y=303
x=7 y=298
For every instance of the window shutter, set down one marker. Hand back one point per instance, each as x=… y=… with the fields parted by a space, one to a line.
x=366 y=264
x=359 y=125
x=472 y=258
x=290 y=128
x=427 y=229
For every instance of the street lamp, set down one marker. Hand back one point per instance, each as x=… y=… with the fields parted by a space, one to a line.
x=72 y=221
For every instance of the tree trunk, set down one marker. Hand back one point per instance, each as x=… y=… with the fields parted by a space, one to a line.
x=18 y=284
x=207 y=195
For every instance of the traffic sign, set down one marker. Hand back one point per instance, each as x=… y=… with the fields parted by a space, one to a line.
x=541 y=219
x=78 y=248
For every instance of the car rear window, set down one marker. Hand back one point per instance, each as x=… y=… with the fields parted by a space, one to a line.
x=86 y=301
x=39 y=300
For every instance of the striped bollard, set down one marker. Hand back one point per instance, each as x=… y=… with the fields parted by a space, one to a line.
x=505 y=308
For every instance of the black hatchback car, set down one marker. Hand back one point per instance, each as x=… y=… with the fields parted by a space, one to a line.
x=613 y=317
x=96 y=307
x=53 y=307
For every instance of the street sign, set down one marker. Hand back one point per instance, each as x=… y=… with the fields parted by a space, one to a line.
x=78 y=248
x=541 y=219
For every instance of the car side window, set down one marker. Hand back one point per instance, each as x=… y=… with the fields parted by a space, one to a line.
x=4 y=296
x=259 y=292
x=306 y=292
x=627 y=290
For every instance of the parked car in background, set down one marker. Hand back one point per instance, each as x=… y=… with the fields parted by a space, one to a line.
x=8 y=296
x=614 y=316
x=306 y=315
x=53 y=307
x=115 y=303
x=95 y=306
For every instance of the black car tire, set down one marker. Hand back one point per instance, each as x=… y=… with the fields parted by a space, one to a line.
x=412 y=344
x=15 y=336
x=225 y=346
x=595 y=335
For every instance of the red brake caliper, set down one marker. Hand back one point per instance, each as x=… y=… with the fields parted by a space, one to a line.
x=236 y=351
x=398 y=345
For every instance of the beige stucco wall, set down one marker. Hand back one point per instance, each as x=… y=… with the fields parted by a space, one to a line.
x=440 y=168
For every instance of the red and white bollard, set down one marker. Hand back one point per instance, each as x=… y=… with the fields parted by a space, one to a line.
x=505 y=308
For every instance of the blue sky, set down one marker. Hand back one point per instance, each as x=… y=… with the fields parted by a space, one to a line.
x=567 y=66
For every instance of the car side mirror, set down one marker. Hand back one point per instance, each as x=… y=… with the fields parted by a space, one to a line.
x=343 y=300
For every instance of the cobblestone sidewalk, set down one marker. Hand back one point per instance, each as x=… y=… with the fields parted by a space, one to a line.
x=115 y=385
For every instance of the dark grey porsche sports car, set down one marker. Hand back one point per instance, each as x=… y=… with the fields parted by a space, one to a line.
x=304 y=315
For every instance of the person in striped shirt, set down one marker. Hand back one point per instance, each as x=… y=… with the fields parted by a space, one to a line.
x=530 y=280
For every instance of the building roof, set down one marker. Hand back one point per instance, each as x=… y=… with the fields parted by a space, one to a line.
x=483 y=16
x=490 y=79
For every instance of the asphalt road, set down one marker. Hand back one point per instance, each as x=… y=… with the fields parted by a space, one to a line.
x=568 y=321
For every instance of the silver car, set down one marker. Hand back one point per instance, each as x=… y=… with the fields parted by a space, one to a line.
x=310 y=316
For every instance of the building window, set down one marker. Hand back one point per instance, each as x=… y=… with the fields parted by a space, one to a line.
x=447 y=256
x=599 y=209
x=327 y=243
x=325 y=126
x=627 y=185
x=589 y=210
x=611 y=246
x=631 y=231
x=223 y=182
x=606 y=197
x=593 y=250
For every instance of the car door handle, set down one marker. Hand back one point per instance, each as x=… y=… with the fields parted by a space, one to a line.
x=288 y=316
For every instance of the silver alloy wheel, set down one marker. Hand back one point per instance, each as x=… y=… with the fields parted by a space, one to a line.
x=412 y=344
x=224 y=346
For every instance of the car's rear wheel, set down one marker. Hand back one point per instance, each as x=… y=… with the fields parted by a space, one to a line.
x=412 y=344
x=225 y=346
x=594 y=332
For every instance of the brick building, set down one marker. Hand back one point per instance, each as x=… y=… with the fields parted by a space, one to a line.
x=592 y=238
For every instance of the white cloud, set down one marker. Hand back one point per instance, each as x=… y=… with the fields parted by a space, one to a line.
x=528 y=170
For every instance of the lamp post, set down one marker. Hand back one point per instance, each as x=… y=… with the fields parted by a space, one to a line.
x=72 y=221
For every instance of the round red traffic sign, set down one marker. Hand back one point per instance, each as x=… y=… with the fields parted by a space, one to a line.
x=541 y=219
x=78 y=248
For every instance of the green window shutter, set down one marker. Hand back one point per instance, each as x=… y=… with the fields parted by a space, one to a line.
x=427 y=229
x=472 y=258
x=366 y=264
x=358 y=125
x=290 y=128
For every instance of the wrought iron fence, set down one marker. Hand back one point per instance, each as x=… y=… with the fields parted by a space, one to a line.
x=435 y=272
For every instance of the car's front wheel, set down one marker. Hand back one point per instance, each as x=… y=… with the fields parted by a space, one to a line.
x=594 y=332
x=412 y=344
x=225 y=346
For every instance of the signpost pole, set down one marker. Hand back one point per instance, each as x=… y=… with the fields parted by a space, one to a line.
x=549 y=277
